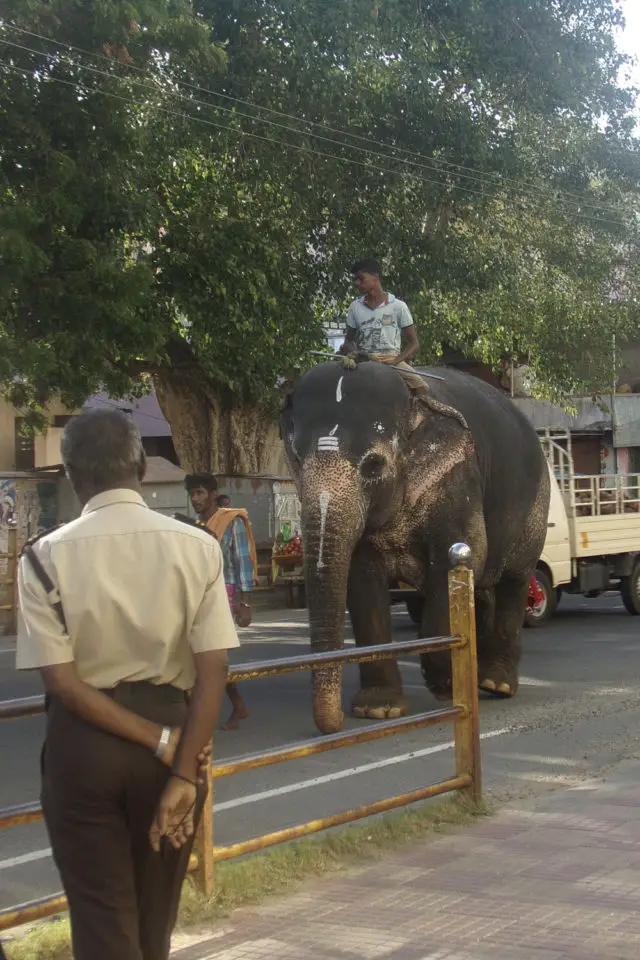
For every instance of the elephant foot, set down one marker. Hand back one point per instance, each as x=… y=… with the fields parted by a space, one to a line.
x=500 y=688
x=376 y=703
x=441 y=690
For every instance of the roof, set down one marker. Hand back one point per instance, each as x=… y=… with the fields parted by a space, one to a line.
x=590 y=416
x=145 y=412
x=160 y=470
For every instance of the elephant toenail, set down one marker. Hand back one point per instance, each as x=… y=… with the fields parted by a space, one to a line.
x=377 y=713
x=488 y=685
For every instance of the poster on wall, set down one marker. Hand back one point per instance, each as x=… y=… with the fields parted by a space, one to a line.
x=7 y=518
x=37 y=505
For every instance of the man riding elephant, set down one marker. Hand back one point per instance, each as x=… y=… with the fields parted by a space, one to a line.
x=378 y=324
x=391 y=471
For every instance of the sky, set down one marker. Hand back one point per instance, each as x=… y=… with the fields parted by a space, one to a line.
x=629 y=40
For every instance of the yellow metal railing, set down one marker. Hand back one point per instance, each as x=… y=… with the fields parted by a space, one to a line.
x=10 y=578
x=463 y=713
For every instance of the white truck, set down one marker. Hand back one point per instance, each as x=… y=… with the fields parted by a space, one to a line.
x=593 y=538
x=593 y=535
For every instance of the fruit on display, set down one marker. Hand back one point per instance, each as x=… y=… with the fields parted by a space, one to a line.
x=292 y=548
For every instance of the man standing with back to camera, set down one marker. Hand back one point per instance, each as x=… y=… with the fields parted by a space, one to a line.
x=123 y=611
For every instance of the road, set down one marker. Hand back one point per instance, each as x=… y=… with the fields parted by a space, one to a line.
x=577 y=713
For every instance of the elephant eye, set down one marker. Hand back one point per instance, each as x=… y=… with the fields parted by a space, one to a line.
x=372 y=466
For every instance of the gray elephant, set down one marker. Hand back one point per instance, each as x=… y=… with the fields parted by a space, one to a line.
x=391 y=469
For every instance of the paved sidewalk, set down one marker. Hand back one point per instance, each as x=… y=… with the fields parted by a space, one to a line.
x=555 y=878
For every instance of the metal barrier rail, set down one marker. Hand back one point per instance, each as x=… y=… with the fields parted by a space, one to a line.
x=463 y=713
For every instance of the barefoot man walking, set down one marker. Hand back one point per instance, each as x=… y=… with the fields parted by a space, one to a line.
x=232 y=529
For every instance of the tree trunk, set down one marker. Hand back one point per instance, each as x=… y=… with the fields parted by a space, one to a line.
x=212 y=433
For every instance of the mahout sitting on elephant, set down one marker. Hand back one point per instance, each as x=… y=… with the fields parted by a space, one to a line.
x=392 y=468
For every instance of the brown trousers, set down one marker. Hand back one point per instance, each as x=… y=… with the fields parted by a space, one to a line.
x=99 y=796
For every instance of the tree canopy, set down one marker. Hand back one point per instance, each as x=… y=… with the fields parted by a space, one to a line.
x=183 y=186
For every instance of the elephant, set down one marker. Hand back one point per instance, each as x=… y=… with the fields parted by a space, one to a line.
x=393 y=467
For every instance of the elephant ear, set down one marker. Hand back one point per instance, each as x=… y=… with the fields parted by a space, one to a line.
x=286 y=415
x=287 y=432
x=423 y=401
x=439 y=440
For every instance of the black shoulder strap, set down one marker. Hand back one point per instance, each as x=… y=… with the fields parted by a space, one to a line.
x=52 y=592
x=183 y=518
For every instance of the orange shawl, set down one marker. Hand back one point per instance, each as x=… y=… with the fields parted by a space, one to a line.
x=220 y=522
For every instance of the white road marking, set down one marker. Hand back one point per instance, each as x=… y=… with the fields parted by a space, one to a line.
x=293 y=787
x=350 y=772
x=25 y=858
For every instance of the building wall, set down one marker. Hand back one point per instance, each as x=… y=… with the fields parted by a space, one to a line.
x=46 y=446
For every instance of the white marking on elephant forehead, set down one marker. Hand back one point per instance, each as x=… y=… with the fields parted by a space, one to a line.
x=339 y=391
x=433 y=447
x=395 y=443
x=324 y=498
x=378 y=427
x=334 y=431
x=328 y=444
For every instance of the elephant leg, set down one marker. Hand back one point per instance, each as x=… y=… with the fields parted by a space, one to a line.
x=485 y=608
x=436 y=667
x=499 y=658
x=381 y=694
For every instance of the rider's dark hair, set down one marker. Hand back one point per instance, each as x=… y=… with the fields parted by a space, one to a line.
x=207 y=480
x=367 y=265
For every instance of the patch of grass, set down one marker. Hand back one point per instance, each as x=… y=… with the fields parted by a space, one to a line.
x=281 y=869
x=48 y=940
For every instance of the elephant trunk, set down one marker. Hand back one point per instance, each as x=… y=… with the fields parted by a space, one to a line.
x=332 y=524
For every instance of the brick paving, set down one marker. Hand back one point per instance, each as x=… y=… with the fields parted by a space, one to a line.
x=554 y=878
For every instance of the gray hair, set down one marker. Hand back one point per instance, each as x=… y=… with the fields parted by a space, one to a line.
x=102 y=448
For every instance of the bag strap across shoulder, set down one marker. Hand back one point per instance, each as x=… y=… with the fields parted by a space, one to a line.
x=52 y=592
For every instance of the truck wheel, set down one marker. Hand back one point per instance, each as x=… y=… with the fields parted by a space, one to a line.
x=414 y=608
x=547 y=607
x=630 y=591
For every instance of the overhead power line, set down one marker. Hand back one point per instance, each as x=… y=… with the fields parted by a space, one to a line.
x=238 y=131
x=431 y=165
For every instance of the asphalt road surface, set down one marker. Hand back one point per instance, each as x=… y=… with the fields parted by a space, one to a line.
x=576 y=714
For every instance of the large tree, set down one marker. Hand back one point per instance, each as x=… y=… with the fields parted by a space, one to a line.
x=183 y=185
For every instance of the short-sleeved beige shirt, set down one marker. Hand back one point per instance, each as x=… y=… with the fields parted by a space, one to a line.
x=140 y=591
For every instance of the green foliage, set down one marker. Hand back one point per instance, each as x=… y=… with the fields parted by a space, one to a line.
x=183 y=185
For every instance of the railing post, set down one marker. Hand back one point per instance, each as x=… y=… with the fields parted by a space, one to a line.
x=203 y=846
x=464 y=667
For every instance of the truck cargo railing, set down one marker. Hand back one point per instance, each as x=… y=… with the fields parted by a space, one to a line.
x=589 y=495
x=462 y=713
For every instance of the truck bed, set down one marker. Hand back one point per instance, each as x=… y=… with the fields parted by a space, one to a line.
x=603 y=510
x=604 y=514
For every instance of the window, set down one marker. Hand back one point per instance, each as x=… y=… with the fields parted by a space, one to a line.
x=24 y=447
x=335 y=341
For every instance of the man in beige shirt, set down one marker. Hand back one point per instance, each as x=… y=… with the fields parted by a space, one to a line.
x=123 y=611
